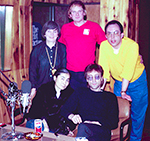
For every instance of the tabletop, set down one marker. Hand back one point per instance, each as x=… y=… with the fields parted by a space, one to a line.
x=47 y=136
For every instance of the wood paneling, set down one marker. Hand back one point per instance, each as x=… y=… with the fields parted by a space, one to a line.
x=4 y=115
x=17 y=49
x=134 y=20
x=22 y=43
x=93 y=9
x=8 y=38
x=7 y=2
x=114 y=10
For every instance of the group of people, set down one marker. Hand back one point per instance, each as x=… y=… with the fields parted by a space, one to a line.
x=68 y=87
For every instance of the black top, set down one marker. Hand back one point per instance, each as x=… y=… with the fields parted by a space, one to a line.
x=45 y=105
x=40 y=69
x=93 y=106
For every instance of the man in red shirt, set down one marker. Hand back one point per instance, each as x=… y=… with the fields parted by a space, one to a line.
x=80 y=37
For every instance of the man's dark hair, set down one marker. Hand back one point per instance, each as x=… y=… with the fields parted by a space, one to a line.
x=79 y=3
x=61 y=70
x=92 y=67
x=114 y=22
x=50 y=25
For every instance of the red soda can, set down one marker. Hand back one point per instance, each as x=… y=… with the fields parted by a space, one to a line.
x=38 y=125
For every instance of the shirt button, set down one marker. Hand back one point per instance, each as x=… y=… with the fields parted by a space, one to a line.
x=50 y=75
x=51 y=56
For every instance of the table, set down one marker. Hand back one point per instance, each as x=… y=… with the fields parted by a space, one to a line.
x=47 y=136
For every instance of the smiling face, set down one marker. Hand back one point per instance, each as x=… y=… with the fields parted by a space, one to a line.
x=77 y=13
x=61 y=81
x=94 y=80
x=51 y=35
x=114 y=35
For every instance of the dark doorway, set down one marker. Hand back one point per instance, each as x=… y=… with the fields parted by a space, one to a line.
x=43 y=12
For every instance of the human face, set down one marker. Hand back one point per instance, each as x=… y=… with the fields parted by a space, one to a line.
x=77 y=13
x=94 y=80
x=62 y=81
x=114 y=35
x=51 y=35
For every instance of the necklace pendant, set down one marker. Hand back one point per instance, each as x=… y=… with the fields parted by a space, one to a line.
x=53 y=71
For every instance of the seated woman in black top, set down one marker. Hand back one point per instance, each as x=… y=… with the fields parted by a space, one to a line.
x=49 y=99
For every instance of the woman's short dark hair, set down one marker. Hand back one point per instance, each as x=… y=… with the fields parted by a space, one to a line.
x=61 y=70
x=79 y=3
x=114 y=22
x=92 y=67
x=50 y=25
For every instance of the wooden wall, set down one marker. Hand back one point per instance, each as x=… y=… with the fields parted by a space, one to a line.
x=19 y=44
x=114 y=9
x=17 y=56
x=125 y=11
x=17 y=49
